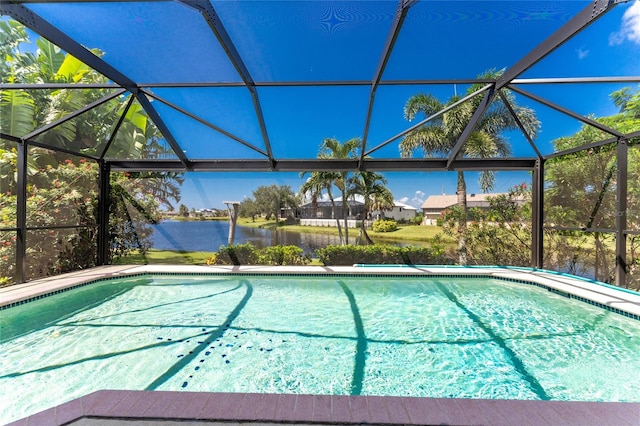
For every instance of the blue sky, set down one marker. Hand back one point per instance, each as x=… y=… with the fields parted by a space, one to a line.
x=314 y=40
x=610 y=47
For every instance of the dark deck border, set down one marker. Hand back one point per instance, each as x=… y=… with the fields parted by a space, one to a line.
x=330 y=409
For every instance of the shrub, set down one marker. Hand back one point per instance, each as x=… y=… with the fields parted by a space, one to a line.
x=283 y=255
x=237 y=254
x=417 y=220
x=247 y=254
x=381 y=254
x=385 y=225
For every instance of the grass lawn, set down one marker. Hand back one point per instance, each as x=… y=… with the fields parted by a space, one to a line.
x=409 y=234
x=405 y=233
x=165 y=257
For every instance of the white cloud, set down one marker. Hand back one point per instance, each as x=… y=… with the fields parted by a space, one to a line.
x=630 y=27
x=416 y=201
x=582 y=53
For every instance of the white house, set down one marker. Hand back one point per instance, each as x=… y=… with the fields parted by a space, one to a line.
x=400 y=211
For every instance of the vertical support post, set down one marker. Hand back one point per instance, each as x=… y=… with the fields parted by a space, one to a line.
x=537 y=217
x=104 y=172
x=21 y=212
x=621 y=212
x=233 y=207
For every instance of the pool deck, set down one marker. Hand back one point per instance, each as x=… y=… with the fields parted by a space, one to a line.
x=198 y=408
x=116 y=407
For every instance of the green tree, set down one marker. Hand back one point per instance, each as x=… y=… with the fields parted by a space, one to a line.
x=272 y=199
x=372 y=187
x=581 y=189
x=315 y=186
x=331 y=148
x=183 y=210
x=249 y=208
x=438 y=136
x=62 y=189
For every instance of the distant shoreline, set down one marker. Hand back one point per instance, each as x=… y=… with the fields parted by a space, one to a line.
x=192 y=219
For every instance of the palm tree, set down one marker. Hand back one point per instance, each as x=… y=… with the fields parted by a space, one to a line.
x=315 y=185
x=438 y=136
x=331 y=148
x=372 y=187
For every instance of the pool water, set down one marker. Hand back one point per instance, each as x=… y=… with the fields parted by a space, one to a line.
x=441 y=337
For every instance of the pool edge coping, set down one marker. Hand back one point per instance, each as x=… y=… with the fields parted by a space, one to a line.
x=626 y=303
x=328 y=409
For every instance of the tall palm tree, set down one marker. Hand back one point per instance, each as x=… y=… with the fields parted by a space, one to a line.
x=438 y=136
x=331 y=148
x=372 y=187
x=315 y=186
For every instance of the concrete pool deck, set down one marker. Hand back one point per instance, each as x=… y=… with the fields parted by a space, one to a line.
x=115 y=407
x=616 y=299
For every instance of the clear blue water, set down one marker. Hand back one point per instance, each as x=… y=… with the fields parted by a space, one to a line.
x=464 y=338
x=209 y=235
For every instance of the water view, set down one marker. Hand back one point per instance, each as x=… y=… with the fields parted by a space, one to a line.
x=209 y=235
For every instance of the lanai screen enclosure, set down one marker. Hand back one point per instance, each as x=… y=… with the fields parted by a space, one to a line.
x=254 y=86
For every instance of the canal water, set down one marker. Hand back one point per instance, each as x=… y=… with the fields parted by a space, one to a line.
x=209 y=235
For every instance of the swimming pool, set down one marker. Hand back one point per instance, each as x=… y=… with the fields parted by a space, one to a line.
x=460 y=337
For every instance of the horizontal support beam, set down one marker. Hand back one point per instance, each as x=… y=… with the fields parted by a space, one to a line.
x=56 y=86
x=401 y=164
x=575 y=229
x=577 y=80
x=328 y=83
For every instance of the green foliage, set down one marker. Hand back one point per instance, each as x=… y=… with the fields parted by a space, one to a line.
x=249 y=208
x=417 y=220
x=248 y=254
x=237 y=254
x=283 y=255
x=61 y=189
x=272 y=200
x=385 y=225
x=372 y=187
x=381 y=254
x=499 y=235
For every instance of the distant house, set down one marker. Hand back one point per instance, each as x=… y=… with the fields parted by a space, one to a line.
x=400 y=212
x=434 y=205
x=324 y=209
x=206 y=213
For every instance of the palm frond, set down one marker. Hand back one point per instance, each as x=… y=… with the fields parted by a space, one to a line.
x=17 y=112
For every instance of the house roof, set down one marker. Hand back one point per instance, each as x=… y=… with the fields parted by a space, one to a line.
x=444 y=201
x=403 y=205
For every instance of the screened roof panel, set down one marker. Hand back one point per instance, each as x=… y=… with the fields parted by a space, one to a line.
x=555 y=125
x=282 y=76
x=594 y=100
x=86 y=133
x=462 y=39
x=229 y=108
x=601 y=49
x=138 y=137
x=199 y=141
x=300 y=118
x=308 y=40
x=388 y=118
x=146 y=41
